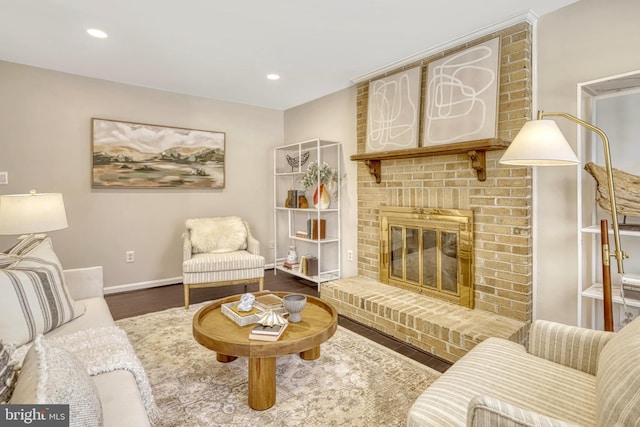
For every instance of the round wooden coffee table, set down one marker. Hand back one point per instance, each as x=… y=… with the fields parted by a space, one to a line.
x=217 y=332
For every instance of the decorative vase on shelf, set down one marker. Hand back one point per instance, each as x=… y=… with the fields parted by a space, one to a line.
x=321 y=197
x=292 y=256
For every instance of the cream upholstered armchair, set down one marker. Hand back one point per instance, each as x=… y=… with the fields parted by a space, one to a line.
x=566 y=376
x=218 y=252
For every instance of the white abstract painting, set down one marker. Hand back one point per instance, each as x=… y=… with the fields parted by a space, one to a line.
x=462 y=95
x=394 y=112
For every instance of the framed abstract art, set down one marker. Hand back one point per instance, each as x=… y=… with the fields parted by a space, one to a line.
x=394 y=111
x=461 y=95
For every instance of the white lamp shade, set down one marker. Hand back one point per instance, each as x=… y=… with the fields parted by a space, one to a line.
x=32 y=213
x=539 y=143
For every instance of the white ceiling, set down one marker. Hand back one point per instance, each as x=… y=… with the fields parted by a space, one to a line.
x=223 y=49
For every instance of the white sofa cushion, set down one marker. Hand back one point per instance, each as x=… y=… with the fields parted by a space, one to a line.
x=618 y=379
x=52 y=375
x=33 y=296
x=97 y=315
x=120 y=397
x=217 y=235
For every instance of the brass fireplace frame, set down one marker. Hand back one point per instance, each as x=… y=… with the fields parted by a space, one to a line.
x=455 y=221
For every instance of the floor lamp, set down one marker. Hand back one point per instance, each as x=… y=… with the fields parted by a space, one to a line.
x=540 y=143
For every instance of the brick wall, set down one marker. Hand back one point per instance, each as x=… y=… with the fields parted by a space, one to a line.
x=501 y=204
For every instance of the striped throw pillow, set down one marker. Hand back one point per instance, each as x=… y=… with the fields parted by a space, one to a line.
x=25 y=244
x=7 y=260
x=33 y=296
x=22 y=246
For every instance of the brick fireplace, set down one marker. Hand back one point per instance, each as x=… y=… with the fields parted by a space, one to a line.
x=499 y=198
x=501 y=205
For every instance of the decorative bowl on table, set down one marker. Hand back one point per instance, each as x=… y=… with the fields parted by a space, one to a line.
x=294 y=303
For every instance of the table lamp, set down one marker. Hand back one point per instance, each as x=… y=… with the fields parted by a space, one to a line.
x=541 y=143
x=32 y=213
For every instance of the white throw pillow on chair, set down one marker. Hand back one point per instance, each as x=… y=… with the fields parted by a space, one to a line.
x=217 y=235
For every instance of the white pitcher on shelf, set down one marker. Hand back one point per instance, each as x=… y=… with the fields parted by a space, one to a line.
x=292 y=256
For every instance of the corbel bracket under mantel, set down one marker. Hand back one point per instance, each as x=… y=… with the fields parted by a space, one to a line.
x=375 y=169
x=476 y=150
x=479 y=163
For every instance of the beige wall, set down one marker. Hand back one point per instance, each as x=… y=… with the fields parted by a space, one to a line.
x=333 y=117
x=45 y=122
x=587 y=40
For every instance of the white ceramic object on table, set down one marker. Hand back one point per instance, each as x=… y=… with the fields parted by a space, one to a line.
x=294 y=303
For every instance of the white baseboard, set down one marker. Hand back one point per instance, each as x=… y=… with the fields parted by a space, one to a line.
x=142 y=285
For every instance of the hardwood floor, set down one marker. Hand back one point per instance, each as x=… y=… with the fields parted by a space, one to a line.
x=135 y=303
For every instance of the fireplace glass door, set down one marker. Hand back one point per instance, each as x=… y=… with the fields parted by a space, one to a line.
x=428 y=251
x=425 y=257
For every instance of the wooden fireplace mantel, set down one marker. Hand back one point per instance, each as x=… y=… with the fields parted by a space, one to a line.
x=474 y=149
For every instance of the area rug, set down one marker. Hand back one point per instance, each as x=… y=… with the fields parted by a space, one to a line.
x=355 y=382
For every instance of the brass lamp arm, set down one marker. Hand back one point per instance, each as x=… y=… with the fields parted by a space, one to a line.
x=618 y=254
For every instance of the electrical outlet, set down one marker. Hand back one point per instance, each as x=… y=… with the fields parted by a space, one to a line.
x=349 y=255
x=130 y=256
x=272 y=244
x=4 y=178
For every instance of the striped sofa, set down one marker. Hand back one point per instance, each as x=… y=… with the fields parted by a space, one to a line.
x=567 y=376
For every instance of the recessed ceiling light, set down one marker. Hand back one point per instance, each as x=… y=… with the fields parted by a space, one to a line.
x=273 y=76
x=97 y=33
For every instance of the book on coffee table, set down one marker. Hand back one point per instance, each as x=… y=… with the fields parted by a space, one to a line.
x=267 y=333
x=268 y=302
x=237 y=311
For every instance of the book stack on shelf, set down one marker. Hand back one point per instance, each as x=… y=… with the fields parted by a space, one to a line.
x=290 y=266
x=267 y=333
x=308 y=265
x=315 y=232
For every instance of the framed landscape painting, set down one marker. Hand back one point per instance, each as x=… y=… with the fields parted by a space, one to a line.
x=137 y=155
